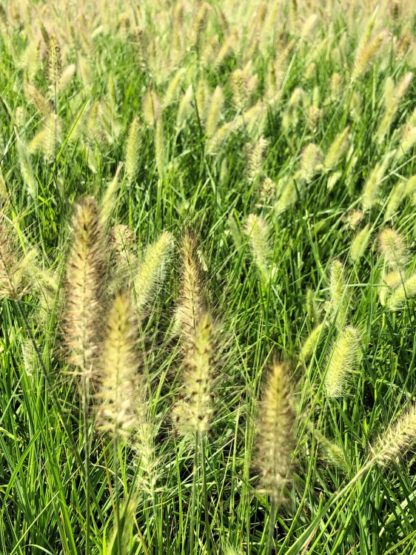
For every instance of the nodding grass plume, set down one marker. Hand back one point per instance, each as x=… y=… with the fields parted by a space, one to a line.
x=258 y=233
x=83 y=287
x=396 y=439
x=193 y=412
x=152 y=269
x=118 y=371
x=343 y=358
x=275 y=434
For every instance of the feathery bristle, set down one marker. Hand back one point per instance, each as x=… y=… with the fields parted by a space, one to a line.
x=118 y=371
x=396 y=439
x=275 y=434
x=342 y=360
x=83 y=287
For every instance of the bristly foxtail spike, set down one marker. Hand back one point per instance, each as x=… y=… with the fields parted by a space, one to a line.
x=82 y=318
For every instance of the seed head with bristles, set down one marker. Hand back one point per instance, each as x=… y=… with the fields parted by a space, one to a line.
x=258 y=233
x=83 y=287
x=396 y=439
x=406 y=290
x=193 y=413
x=393 y=248
x=152 y=269
x=275 y=434
x=13 y=275
x=342 y=360
x=118 y=371
x=338 y=292
x=132 y=150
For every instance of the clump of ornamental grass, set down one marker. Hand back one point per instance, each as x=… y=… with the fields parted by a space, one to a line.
x=392 y=248
x=83 y=308
x=275 y=434
x=396 y=439
x=343 y=359
x=258 y=233
x=152 y=269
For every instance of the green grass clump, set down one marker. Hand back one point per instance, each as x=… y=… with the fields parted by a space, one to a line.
x=191 y=193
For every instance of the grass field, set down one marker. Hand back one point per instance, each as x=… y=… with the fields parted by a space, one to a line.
x=207 y=277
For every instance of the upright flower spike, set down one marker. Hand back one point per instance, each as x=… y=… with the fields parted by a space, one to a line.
x=342 y=361
x=83 y=287
x=275 y=434
x=193 y=413
x=152 y=269
x=118 y=371
x=191 y=304
x=258 y=233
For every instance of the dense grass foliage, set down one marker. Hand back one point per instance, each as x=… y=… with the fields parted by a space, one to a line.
x=207 y=277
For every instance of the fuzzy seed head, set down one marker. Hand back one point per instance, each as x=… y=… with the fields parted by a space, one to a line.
x=193 y=413
x=275 y=434
x=258 y=233
x=83 y=287
x=343 y=360
x=393 y=248
x=152 y=270
x=118 y=371
x=396 y=439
